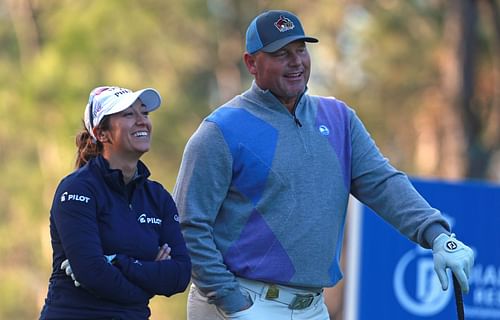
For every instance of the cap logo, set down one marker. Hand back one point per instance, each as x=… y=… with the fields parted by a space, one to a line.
x=94 y=110
x=97 y=109
x=284 y=24
x=100 y=90
x=122 y=91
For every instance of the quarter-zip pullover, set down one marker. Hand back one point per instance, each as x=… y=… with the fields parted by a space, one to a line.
x=265 y=199
x=95 y=214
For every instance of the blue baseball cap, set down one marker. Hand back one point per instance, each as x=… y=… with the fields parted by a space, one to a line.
x=274 y=29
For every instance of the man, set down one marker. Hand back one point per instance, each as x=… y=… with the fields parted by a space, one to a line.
x=264 y=183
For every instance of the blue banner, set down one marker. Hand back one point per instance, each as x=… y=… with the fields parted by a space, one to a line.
x=397 y=278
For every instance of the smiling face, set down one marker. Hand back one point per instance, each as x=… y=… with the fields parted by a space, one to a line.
x=129 y=133
x=284 y=72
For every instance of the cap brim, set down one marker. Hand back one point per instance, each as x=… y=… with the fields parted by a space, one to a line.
x=276 y=45
x=149 y=97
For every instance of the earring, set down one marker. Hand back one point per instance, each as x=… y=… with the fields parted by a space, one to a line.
x=102 y=137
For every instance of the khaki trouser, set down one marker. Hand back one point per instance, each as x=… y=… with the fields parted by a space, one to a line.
x=308 y=306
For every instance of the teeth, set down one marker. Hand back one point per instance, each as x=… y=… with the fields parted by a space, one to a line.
x=140 y=134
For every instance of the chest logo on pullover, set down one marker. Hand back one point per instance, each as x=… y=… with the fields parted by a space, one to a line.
x=324 y=130
x=144 y=219
x=74 y=197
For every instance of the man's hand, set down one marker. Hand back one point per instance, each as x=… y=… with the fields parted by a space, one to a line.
x=450 y=253
x=67 y=268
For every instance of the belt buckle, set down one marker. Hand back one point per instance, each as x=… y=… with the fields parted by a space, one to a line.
x=273 y=292
x=301 y=301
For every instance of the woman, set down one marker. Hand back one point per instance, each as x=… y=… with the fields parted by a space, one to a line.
x=114 y=231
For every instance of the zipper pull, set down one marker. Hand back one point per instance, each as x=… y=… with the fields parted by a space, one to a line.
x=297 y=121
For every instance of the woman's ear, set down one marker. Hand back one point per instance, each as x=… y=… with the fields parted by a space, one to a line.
x=101 y=135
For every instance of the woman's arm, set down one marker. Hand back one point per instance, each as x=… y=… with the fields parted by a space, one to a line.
x=74 y=215
x=165 y=276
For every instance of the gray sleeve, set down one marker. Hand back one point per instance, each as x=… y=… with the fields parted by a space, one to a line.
x=389 y=192
x=201 y=187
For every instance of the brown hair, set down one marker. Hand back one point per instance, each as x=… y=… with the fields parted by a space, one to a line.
x=88 y=147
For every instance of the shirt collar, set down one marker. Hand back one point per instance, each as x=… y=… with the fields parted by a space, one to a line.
x=114 y=177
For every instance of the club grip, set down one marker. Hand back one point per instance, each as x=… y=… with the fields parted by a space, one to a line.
x=458 y=298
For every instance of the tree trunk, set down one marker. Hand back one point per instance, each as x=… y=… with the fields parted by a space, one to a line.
x=21 y=13
x=477 y=155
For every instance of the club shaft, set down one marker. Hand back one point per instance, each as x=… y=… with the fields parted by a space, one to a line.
x=458 y=298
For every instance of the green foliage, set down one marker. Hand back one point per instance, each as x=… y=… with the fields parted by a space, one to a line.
x=16 y=291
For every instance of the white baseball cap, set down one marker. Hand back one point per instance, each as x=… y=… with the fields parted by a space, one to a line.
x=108 y=100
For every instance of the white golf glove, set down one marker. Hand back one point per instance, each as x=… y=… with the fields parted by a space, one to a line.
x=450 y=253
x=67 y=268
